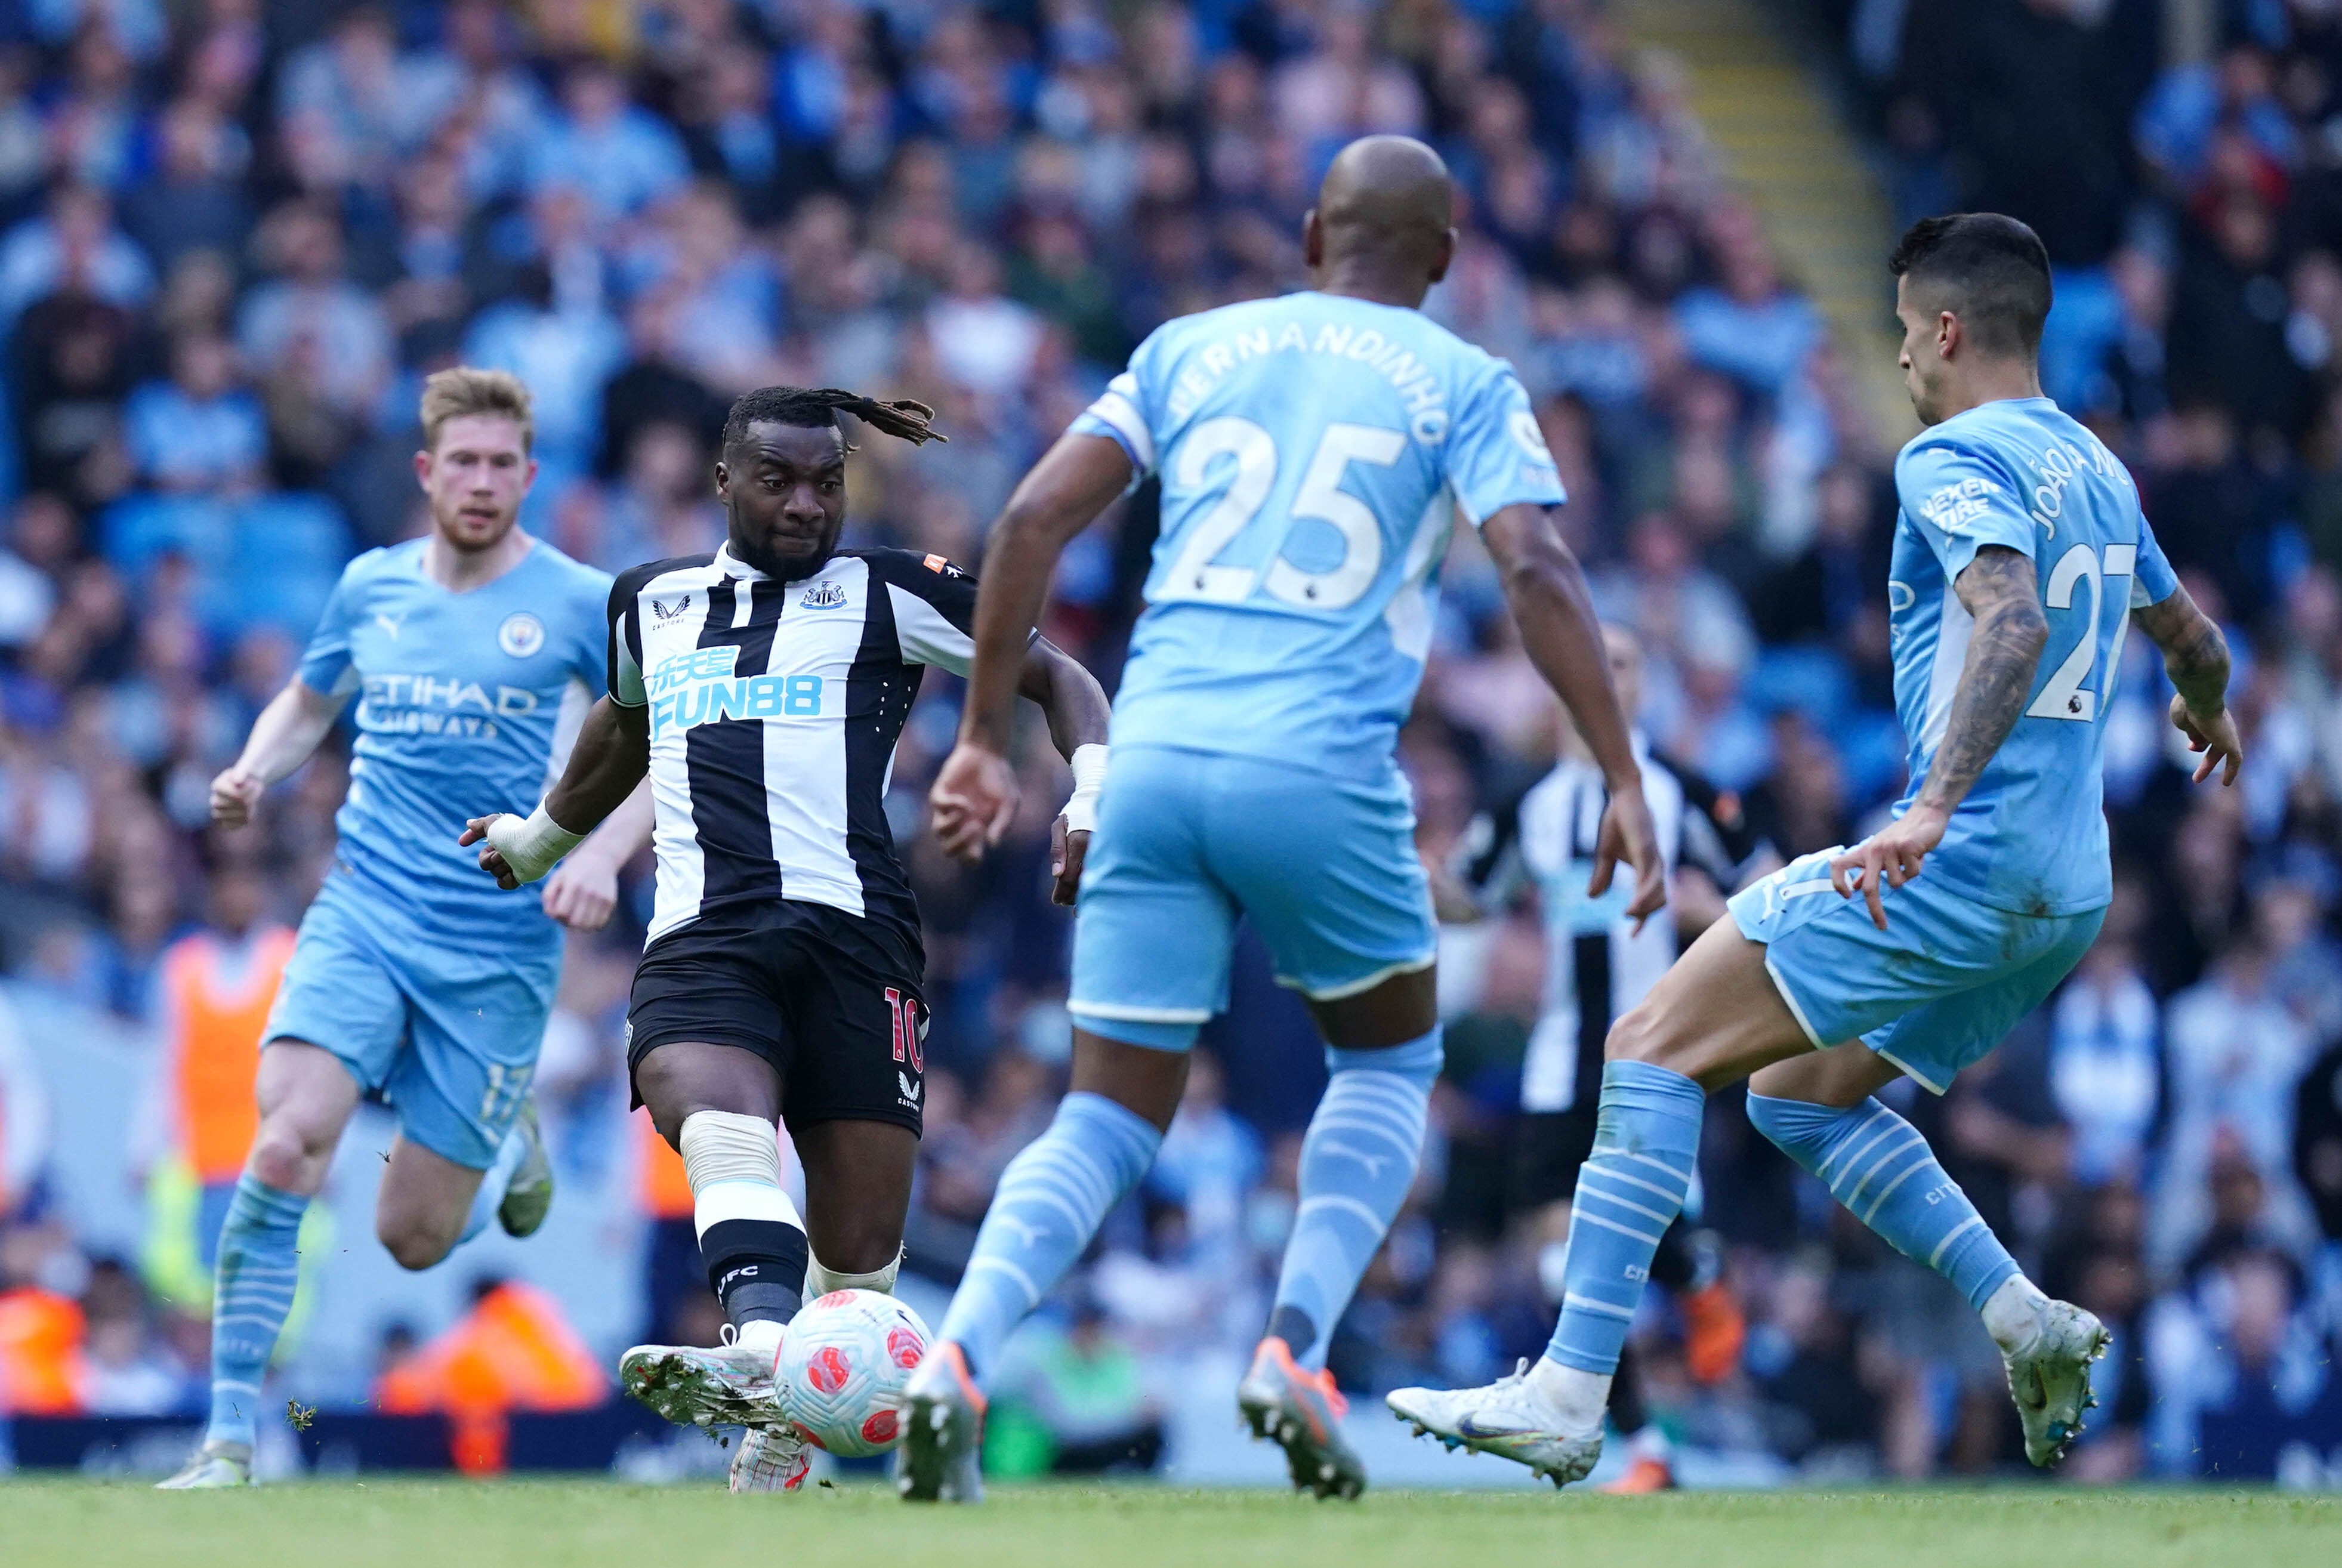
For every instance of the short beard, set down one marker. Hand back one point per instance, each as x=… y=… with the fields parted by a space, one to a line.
x=783 y=568
x=449 y=537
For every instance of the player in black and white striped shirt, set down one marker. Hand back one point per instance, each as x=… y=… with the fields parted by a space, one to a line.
x=763 y=689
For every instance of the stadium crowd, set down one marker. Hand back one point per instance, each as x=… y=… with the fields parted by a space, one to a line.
x=236 y=234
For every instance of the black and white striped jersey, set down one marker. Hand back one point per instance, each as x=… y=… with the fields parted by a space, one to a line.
x=774 y=707
x=1596 y=964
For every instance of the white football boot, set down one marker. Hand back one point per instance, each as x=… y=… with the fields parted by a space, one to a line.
x=770 y=1459
x=729 y=1385
x=942 y=1453
x=1507 y=1418
x=2049 y=1377
x=214 y=1467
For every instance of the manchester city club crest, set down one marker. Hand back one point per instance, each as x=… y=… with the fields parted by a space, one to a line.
x=521 y=634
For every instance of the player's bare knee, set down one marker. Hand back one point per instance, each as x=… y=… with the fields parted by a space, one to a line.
x=413 y=1246
x=282 y=1158
x=1649 y=1035
x=1637 y=1035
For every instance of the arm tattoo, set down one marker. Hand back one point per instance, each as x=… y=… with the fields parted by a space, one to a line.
x=2195 y=654
x=2000 y=592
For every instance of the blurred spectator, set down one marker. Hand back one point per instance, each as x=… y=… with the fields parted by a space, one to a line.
x=1073 y=1400
x=195 y=199
x=620 y=153
x=2106 y=1069
x=127 y=1371
x=2318 y=1141
x=73 y=246
x=199 y=430
x=310 y=332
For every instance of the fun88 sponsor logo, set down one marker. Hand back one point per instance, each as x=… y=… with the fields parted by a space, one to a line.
x=698 y=688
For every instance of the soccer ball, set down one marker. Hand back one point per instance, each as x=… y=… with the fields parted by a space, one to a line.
x=844 y=1359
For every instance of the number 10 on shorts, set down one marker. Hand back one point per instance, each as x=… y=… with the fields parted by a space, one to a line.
x=910 y=1045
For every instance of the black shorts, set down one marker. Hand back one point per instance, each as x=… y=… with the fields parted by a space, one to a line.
x=832 y=1000
x=1547 y=1148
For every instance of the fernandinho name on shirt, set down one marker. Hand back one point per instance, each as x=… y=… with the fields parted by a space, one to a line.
x=1418 y=385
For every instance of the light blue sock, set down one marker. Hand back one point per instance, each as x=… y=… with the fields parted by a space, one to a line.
x=1357 y=1161
x=1879 y=1166
x=492 y=1183
x=252 y=1290
x=1630 y=1190
x=1052 y=1199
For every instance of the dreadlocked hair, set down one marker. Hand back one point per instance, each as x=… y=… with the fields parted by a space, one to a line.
x=906 y=418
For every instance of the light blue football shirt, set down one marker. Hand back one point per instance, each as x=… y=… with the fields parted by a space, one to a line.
x=1315 y=450
x=466 y=704
x=2031 y=835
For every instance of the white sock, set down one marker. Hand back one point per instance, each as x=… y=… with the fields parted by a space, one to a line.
x=1652 y=1443
x=1577 y=1399
x=2012 y=1314
x=821 y=1279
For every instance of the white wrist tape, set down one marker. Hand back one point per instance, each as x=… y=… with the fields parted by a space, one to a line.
x=531 y=844
x=1081 y=811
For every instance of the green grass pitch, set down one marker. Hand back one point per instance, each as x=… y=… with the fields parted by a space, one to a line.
x=586 y=1523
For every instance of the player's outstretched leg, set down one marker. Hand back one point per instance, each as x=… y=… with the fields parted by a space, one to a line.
x=1052 y=1199
x=306 y=1095
x=1358 y=1160
x=1714 y=1018
x=1880 y=1167
x=252 y=1293
x=516 y=1189
x=1630 y=1189
x=754 y=1247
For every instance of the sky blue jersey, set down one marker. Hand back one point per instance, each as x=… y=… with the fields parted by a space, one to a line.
x=1315 y=450
x=466 y=704
x=2031 y=835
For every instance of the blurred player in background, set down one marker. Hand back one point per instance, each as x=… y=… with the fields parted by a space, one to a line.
x=1599 y=962
x=1314 y=451
x=2020 y=559
x=762 y=689
x=219 y=986
x=473 y=653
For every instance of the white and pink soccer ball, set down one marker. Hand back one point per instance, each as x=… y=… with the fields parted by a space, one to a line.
x=844 y=1359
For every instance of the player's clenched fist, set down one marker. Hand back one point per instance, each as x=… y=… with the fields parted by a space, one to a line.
x=973 y=802
x=235 y=793
x=492 y=861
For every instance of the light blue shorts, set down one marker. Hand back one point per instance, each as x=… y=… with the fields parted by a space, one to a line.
x=447 y=1032
x=1934 y=992
x=1190 y=842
